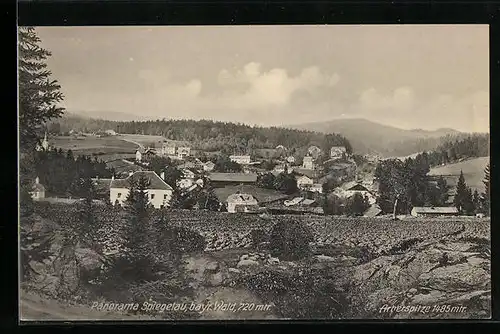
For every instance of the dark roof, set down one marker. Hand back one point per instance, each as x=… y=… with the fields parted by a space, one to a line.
x=437 y=210
x=232 y=177
x=155 y=181
x=372 y=211
x=102 y=184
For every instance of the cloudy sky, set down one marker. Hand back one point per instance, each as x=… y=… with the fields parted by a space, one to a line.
x=411 y=76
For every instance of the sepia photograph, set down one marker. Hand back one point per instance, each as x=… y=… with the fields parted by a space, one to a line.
x=253 y=172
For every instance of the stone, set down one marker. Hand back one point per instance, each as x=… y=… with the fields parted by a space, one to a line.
x=324 y=258
x=459 y=277
x=247 y=263
x=88 y=259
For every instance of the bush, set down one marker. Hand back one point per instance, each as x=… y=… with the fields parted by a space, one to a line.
x=290 y=240
x=259 y=236
x=183 y=240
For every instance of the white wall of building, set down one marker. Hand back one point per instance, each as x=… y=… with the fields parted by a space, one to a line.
x=157 y=197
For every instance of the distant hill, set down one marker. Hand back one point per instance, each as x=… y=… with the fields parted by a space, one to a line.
x=105 y=115
x=371 y=137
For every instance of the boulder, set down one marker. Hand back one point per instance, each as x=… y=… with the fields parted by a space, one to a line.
x=324 y=258
x=88 y=259
x=459 y=277
x=234 y=270
x=212 y=266
x=247 y=263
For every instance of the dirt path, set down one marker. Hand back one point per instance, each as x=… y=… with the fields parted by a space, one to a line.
x=132 y=141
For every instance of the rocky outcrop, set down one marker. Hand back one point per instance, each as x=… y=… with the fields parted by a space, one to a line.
x=431 y=274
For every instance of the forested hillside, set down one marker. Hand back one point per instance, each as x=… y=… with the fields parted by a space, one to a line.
x=209 y=135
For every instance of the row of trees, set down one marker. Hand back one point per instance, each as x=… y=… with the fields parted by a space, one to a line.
x=469 y=202
x=476 y=145
x=211 y=135
x=60 y=172
x=405 y=184
x=284 y=182
x=354 y=206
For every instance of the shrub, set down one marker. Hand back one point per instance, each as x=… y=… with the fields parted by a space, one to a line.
x=290 y=240
x=183 y=240
x=259 y=236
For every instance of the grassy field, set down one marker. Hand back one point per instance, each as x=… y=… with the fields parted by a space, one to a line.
x=473 y=170
x=149 y=139
x=94 y=145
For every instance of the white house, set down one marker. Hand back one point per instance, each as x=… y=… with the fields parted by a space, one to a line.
x=240 y=159
x=317 y=188
x=314 y=151
x=290 y=159
x=110 y=132
x=144 y=154
x=159 y=192
x=183 y=152
x=188 y=174
x=241 y=203
x=167 y=150
x=37 y=190
x=208 y=166
x=281 y=168
x=336 y=152
x=349 y=189
x=308 y=163
x=304 y=182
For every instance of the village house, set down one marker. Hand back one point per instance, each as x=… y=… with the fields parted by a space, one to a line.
x=240 y=159
x=337 y=152
x=208 y=166
x=304 y=182
x=37 y=190
x=281 y=169
x=290 y=159
x=144 y=154
x=167 y=150
x=308 y=162
x=241 y=203
x=225 y=179
x=314 y=151
x=316 y=188
x=183 y=152
x=159 y=192
x=110 y=132
x=434 y=211
x=349 y=189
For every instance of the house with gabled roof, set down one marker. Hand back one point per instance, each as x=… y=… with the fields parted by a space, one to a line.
x=37 y=190
x=159 y=192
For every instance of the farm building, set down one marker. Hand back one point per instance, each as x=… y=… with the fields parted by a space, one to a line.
x=240 y=159
x=224 y=179
x=241 y=203
x=308 y=163
x=208 y=166
x=144 y=154
x=337 y=152
x=37 y=190
x=304 y=182
x=183 y=152
x=263 y=196
x=434 y=211
x=314 y=151
x=159 y=192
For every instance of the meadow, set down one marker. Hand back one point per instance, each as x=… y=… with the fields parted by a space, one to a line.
x=473 y=170
x=94 y=145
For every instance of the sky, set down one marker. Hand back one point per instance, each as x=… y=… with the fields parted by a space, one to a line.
x=408 y=76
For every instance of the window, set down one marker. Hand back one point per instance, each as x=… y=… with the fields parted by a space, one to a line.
x=152 y=196
x=165 y=196
x=119 y=195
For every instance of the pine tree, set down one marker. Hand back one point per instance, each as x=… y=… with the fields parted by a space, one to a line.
x=486 y=195
x=38 y=94
x=462 y=193
x=357 y=205
x=476 y=199
x=87 y=228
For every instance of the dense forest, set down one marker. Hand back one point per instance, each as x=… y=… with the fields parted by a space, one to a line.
x=208 y=135
x=472 y=146
x=60 y=172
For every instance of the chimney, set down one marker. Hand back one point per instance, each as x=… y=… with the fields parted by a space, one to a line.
x=37 y=180
x=162 y=175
